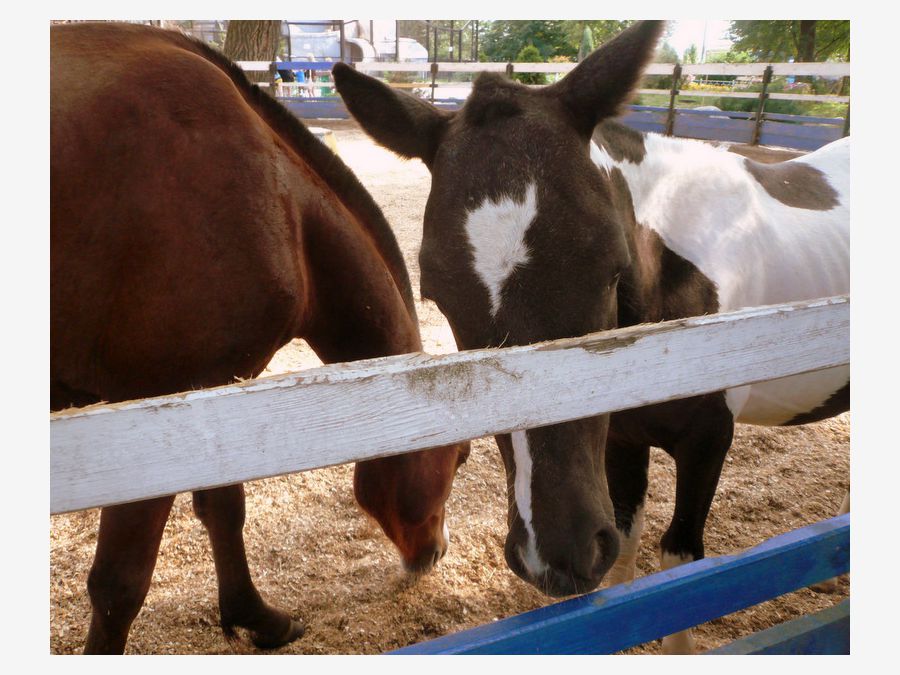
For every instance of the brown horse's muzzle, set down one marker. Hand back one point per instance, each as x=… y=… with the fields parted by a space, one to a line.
x=406 y=494
x=429 y=545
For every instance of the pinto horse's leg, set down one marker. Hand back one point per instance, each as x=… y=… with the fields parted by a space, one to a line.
x=127 y=546
x=626 y=474
x=222 y=512
x=699 y=456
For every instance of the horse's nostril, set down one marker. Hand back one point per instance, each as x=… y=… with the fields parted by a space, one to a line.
x=607 y=550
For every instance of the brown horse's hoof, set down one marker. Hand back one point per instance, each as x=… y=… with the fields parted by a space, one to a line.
x=828 y=586
x=294 y=630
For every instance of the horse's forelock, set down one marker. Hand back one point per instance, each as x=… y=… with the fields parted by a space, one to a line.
x=493 y=97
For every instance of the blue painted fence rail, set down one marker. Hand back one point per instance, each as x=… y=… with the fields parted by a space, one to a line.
x=825 y=632
x=651 y=607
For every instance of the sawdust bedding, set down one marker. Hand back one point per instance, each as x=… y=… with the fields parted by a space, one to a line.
x=313 y=552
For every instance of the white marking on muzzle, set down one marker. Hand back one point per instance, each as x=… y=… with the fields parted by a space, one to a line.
x=522 y=457
x=496 y=231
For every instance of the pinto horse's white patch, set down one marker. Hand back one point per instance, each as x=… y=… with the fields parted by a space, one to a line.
x=601 y=158
x=756 y=249
x=522 y=458
x=681 y=642
x=496 y=231
x=708 y=208
x=623 y=570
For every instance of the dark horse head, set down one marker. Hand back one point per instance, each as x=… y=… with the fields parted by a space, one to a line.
x=522 y=243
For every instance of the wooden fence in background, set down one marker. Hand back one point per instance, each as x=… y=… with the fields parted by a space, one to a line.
x=803 y=132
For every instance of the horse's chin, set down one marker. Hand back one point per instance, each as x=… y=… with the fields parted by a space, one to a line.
x=425 y=562
x=427 y=556
x=415 y=570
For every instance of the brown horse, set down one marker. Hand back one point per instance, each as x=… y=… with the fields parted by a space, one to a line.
x=196 y=227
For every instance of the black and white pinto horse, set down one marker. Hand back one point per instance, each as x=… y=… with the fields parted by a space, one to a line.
x=547 y=220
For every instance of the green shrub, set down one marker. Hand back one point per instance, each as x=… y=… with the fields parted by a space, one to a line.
x=530 y=54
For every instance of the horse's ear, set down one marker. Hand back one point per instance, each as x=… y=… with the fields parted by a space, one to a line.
x=601 y=84
x=400 y=122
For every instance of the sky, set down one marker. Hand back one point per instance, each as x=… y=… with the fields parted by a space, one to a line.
x=688 y=32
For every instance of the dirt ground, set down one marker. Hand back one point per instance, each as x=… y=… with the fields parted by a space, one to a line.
x=314 y=553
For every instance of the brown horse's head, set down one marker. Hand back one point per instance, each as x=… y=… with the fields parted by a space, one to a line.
x=406 y=495
x=522 y=243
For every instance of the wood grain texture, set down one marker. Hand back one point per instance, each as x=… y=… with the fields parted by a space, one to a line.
x=347 y=412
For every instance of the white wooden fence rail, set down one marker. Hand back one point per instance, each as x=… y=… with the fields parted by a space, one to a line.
x=109 y=454
x=831 y=70
x=816 y=69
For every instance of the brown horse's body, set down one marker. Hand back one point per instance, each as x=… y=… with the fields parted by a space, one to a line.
x=196 y=228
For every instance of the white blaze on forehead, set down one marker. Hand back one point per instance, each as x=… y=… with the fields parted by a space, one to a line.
x=496 y=231
x=522 y=458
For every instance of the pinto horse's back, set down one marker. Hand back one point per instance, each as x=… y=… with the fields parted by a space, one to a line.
x=174 y=261
x=815 y=250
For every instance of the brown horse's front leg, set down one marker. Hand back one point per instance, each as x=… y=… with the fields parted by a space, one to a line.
x=123 y=566
x=221 y=510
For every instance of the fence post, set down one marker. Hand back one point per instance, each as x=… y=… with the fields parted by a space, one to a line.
x=273 y=74
x=434 y=71
x=763 y=95
x=509 y=70
x=670 y=119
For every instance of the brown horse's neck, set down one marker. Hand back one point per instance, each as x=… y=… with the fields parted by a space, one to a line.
x=354 y=309
x=357 y=310
x=329 y=168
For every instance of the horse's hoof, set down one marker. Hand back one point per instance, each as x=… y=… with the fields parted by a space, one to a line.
x=294 y=630
x=681 y=643
x=827 y=586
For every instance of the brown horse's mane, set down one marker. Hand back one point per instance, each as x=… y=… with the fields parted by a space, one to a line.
x=321 y=159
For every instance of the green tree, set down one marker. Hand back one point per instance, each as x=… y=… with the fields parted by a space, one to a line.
x=666 y=54
x=731 y=56
x=503 y=40
x=690 y=54
x=808 y=40
x=587 y=44
x=530 y=54
x=601 y=31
